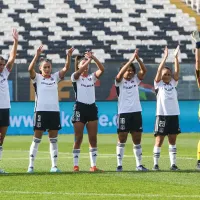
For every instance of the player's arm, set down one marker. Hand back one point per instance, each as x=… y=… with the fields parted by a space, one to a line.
x=100 y=70
x=124 y=68
x=197 y=66
x=143 y=69
x=162 y=64
x=176 y=64
x=83 y=67
x=31 y=67
x=64 y=70
x=13 y=52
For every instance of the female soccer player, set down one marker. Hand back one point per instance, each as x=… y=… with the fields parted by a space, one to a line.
x=196 y=38
x=85 y=109
x=47 y=112
x=129 y=110
x=167 y=109
x=5 y=69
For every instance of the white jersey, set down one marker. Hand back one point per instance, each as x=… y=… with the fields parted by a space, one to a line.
x=46 y=92
x=167 y=100
x=84 y=88
x=128 y=95
x=4 y=89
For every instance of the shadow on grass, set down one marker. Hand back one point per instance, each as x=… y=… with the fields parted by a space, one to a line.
x=88 y=172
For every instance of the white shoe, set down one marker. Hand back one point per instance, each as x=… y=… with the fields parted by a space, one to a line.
x=30 y=170
x=195 y=36
x=54 y=169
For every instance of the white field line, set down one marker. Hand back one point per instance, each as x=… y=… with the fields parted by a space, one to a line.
x=102 y=194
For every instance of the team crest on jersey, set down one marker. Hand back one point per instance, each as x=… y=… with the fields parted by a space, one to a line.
x=168 y=87
x=161 y=124
x=122 y=127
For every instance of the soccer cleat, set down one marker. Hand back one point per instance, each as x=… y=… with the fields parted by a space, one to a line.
x=198 y=165
x=174 y=168
x=30 y=170
x=2 y=171
x=55 y=170
x=119 y=169
x=95 y=169
x=76 y=168
x=195 y=36
x=155 y=168
x=141 y=168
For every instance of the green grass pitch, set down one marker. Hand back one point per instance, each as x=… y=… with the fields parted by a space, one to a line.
x=110 y=184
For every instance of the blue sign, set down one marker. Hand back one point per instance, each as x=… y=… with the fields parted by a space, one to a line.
x=21 y=119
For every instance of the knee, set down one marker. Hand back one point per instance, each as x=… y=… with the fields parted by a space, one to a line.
x=158 y=143
x=78 y=139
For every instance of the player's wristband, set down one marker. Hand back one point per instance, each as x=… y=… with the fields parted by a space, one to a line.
x=198 y=45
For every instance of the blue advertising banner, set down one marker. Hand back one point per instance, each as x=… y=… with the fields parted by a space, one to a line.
x=21 y=118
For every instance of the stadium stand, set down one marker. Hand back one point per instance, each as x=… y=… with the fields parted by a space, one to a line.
x=112 y=29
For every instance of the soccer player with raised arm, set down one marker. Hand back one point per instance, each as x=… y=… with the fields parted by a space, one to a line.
x=129 y=110
x=167 y=110
x=5 y=69
x=85 y=109
x=47 y=111
x=196 y=38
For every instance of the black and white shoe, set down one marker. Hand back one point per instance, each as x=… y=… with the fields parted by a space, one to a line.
x=174 y=168
x=156 y=168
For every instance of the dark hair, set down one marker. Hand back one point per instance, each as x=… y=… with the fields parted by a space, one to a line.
x=131 y=65
x=78 y=59
x=1 y=58
x=41 y=60
x=167 y=68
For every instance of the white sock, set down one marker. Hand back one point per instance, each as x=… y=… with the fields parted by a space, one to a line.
x=1 y=152
x=76 y=153
x=120 y=153
x=172 y=154
x=137 y=150
x=54 y=151
x=33 y=151
x=156 y=154
x=93 y=156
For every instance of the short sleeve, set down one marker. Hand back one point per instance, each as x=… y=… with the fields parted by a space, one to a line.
x=6 y=72
x=138 y=81
x=35 y=79
x=174 y=83
x=117 y=84
x=72 y=78
x=156 y=84
x=94 y=78
x=57 y=76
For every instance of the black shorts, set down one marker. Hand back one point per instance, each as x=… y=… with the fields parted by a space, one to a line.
x=47 y=120
x=129 y=122
x=166 y=125
x=84 y=112
x=5 y=117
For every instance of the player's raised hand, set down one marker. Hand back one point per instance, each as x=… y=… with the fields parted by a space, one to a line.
x=70 y=51
x=176 y=51
x=88 y=54
x=40 y=50
x=15 y=34
x=166 y=52
x=136 y=54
